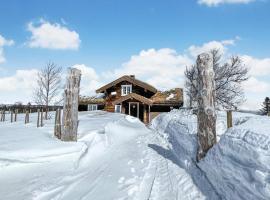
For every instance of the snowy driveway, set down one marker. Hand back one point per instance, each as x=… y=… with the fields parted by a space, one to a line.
x=116 y=157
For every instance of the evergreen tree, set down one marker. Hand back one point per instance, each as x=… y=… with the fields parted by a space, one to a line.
x=266 y=106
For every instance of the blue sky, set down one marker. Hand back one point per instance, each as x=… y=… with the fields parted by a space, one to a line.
x=106 y=38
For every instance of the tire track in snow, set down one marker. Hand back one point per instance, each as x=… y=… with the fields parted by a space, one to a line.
x=168 y=181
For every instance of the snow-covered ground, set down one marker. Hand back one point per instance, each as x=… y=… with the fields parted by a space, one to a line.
x=118 y=157
x=238 y=166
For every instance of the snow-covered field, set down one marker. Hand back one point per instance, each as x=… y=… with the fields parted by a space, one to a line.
x=118 y=157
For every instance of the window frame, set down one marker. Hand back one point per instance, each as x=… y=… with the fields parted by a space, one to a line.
x=125 y=91
x=118 y=106
x=91 y=106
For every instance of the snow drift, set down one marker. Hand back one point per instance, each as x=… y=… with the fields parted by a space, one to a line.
x=238 y=166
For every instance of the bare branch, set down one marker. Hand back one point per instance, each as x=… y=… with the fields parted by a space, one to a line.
x=228 y=79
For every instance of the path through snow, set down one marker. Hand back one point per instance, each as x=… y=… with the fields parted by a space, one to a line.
x=116 y=157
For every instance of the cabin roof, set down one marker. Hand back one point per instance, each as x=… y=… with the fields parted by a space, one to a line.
x=130 y=79
x=170 y=97
x=133 y=96
x=173 y=97
x=92 y=100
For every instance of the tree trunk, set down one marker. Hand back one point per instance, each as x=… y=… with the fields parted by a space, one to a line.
x=206 y=105
x=70 y=110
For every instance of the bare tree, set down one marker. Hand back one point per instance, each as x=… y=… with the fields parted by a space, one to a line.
x=228 y=79
x=48 y=85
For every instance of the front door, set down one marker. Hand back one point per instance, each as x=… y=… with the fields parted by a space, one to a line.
x=134 y=109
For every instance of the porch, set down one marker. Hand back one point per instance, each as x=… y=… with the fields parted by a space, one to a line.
x=135 y=105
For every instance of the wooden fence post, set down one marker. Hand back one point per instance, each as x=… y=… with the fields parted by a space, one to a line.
x=71 y=101
x=229 y=119
x=38 y=117
x=4 y=115
x=206 y=105
x=15 y=115
x=57 y=124
x=26 y=120
x=11 y=116
x=41 y=118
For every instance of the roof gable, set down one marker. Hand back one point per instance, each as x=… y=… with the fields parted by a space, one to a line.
x=130 y=79
x=133 y=96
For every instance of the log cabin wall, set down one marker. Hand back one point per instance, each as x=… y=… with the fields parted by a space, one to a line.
x=117 y=88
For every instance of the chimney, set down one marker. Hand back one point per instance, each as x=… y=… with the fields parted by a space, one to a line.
x=132 y=76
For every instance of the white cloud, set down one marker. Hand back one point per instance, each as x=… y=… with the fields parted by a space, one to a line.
x=256 y=86
x=206 y=47
x=90 y=81
x=18 y=87
x=52 y=36
x=211 y=3
x=163 y=68
x=4 y=42
x=258 y=67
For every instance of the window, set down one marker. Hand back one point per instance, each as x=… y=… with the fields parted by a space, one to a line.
x=117 y=108
x=92 y=107
x=126 y=89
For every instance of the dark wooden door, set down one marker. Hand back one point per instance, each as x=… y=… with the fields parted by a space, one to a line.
x=134 y=109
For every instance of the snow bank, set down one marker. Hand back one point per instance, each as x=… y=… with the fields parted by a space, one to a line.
x=178 y=128
x=238 y=166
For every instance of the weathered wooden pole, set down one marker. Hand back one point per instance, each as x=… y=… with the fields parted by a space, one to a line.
x=57 y=124
x=26 y=119
x=4 y=115
x=229 y=119
x=38 y=117
x=206 y=105
x=41 y=118
x=11 y=116
x=71 y=101
x=15 y=115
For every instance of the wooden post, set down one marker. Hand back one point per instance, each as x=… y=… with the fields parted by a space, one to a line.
x=149 y=113
x=4 y=115
x=16 y=113
x=41 y=118
x=206 y=105
x=144 y=114
x=70 y=110
x=57 y=124
x=38 y=117
x=11 y=116
x=229 y=119
x=26 y=119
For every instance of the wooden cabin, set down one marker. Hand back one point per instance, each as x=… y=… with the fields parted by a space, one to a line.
x=131 y=96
